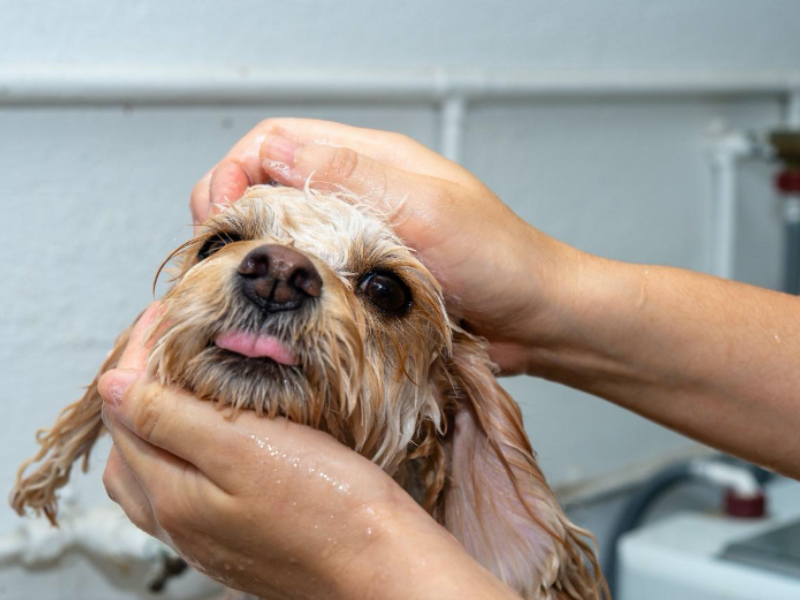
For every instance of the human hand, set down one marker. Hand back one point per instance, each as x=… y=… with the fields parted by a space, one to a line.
x=269 y=507
x=251 y=502
x=497 y=271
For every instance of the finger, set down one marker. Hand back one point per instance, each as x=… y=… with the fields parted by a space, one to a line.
x=387 y=147
x=199 y=202
x=132 y=364
x=165 y=479
x=412 y=201
x=124 y=489
x=245 y=158
x=176 y=423
x=197 y=434
x=134 y=357
x=229 y=181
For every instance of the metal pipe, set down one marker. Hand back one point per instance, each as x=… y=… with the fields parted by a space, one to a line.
x=61 y=84
x=453 y=115
x=791 y=257
x=793 y=109
x=728 y=150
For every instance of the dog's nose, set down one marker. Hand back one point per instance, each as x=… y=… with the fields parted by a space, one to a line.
x=278 y=278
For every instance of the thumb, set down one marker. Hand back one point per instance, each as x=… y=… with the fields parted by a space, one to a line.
x=388 y=188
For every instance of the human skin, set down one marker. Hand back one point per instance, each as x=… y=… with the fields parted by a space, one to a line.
x=249 y=501
x=713 y=359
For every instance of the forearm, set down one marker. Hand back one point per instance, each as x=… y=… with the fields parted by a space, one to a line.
x=413 y=557
x=716 y=360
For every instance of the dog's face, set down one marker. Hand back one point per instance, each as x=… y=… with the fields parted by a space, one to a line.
x=305 y=305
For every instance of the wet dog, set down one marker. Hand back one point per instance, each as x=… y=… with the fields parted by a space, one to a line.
x=306 y=304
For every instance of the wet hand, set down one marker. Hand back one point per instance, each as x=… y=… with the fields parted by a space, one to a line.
x=493 y=265
x=266 y=506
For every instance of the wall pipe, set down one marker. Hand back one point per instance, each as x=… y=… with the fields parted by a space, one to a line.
x=452 y=89
x=793 y=109
x=727 y=152
x=65 y=84
x=452 y=117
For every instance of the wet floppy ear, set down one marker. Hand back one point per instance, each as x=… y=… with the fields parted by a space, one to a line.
x=496 y=501
x=71 y=437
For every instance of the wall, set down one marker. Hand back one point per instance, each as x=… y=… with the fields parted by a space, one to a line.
x=94 y=196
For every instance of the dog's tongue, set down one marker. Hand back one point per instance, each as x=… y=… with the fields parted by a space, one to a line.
x=252 y=345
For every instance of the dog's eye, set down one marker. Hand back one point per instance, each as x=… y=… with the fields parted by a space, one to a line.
x=216 y=243
x=387 y=292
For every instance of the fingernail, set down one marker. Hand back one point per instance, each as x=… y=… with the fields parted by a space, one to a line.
x=113 y=383
x=277 y=170
x=279 y=149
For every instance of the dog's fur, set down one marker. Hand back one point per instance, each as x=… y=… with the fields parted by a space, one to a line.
x=413 y=392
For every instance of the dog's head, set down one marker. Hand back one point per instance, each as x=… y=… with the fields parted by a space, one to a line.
x=307 y=305
x=300 y=304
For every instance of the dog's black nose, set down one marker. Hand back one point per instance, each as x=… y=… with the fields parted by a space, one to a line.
x=277 y=278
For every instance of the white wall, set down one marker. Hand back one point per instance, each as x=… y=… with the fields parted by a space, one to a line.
x=570 y=34
x=94 y=196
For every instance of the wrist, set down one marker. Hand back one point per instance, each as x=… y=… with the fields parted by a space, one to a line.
x=552 y=282
x=570 y=302
x=412 y=556
x=584 y=323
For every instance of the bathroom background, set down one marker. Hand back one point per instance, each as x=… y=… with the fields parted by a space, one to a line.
x=629 y=128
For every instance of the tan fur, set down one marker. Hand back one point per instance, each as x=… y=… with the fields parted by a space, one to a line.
x=72 y=437
x=412 y=392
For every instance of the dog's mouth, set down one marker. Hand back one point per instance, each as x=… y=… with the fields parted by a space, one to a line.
x=249 y=369
x=253 y=345
x=257 y=345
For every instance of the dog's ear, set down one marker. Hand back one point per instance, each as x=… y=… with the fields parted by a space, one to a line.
x=72 y=437
x=496 y=501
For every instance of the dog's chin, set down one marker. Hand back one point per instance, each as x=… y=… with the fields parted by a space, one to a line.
x=250 y=382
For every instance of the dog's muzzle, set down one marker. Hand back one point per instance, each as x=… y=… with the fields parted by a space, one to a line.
x=278 y=278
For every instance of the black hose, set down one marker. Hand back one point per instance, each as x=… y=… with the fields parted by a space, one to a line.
x=791 y=265
x=635 y=510
x=642 y=498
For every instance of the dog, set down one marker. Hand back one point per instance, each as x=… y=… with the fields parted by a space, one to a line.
x=306 y=304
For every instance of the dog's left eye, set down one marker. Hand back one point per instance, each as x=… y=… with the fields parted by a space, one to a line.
x=216 y=243
x=387 y=292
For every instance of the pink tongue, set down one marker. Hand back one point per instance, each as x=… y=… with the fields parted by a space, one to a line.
x=250 y=344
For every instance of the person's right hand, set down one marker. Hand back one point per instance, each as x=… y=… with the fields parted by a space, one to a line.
x=492 y=265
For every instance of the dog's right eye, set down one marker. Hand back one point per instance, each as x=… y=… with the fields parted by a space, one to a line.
x=216 y=243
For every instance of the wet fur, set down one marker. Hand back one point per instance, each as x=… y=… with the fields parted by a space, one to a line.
x=414 y=393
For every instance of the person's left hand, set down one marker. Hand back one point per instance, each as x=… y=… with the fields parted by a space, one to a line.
x=266 y=506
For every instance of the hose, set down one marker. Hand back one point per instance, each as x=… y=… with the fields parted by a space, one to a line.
x=724 y=471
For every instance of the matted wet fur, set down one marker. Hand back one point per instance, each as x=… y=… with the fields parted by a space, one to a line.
x=406 y=388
